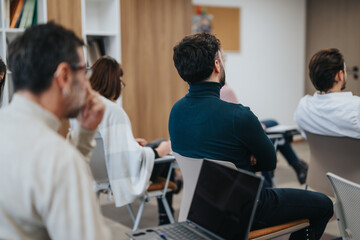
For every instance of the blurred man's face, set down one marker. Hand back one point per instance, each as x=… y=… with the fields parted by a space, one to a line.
x=345 y=78
x=75 y=99
x=222 y=70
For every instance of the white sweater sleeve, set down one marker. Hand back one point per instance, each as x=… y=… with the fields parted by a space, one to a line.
x=128 y=164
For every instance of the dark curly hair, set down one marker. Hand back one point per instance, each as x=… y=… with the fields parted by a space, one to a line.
x=194 y=56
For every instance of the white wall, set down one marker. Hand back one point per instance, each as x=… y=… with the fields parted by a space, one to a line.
x=268 y=73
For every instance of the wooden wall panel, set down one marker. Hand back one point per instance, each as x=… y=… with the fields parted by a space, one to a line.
x=149 y=31
x=334 y=24
x=66 y=13
x=229 y=34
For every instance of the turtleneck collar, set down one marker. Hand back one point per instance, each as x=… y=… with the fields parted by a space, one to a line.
x=200 y=89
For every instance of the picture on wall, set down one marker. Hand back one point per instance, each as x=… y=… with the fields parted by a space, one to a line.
x=201 y=21
x=223 y=22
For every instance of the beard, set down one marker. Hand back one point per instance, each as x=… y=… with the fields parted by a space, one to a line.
x=75 y=99
x=222 y=76
x=344 y=85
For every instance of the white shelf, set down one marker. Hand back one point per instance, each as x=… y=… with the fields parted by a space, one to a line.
x=7 y=35
x=2 y=14
x=14 y=30
x=101 y=20
x=99 y=1
x=100 y=16
x=102 y=33
x=2 y=43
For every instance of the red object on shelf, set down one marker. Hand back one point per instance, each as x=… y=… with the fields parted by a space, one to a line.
x=198 y=10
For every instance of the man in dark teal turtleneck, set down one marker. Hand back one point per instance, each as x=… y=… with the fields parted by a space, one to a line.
x=203 y=126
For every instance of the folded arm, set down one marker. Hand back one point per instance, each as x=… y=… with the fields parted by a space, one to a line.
x=261 y=149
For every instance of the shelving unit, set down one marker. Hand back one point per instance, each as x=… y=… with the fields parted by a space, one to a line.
x=7 y=35
x=101 y=22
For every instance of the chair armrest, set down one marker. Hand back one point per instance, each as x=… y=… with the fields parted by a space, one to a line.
x=275 y=231
x=165 y=159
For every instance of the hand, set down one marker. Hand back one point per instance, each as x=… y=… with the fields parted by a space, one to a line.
x=92 y=112
x=164 y=148
x=178 y=175
x=252 y=160
x=263 y=126
x=142 y=142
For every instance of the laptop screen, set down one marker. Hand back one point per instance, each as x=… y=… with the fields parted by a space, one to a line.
x=225 y=200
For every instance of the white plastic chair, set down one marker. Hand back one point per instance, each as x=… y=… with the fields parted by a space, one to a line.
x=190 y=169
x=102 y=184
x=339 y=155
x=347 y=206
x=98 y=168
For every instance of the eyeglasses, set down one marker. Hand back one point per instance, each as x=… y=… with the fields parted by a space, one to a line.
x=122 y=84
x=88 y=71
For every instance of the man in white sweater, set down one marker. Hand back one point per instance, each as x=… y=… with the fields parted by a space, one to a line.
x=45 y=182
x=330 y=111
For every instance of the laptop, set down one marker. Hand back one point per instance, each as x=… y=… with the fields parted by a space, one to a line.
x=223 y=207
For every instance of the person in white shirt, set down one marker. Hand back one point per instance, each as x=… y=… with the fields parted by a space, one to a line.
x=45 y=182
x=130 y=161
x=330 y=111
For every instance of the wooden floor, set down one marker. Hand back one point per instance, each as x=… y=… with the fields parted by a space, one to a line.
x=284 y=177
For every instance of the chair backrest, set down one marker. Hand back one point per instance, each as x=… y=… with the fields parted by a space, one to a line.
x=190 y=169
x=347 y=206
x=98 y=162
x=339 y=155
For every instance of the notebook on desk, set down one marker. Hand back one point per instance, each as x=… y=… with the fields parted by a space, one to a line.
x=283 y=129
x=223 y=207
x=282 y=132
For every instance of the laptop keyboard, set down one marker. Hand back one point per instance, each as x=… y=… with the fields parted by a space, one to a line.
x=179 y=232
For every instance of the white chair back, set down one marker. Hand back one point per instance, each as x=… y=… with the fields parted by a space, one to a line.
x=347 y=206
x=98 y=162
x=99 y=171
x=190 y=169
x=339 y=155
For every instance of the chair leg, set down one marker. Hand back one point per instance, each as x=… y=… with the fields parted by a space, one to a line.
x=139 y=213
x=168 y=179
x=131 y=211
x=167 y=209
